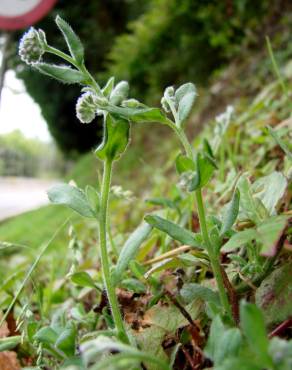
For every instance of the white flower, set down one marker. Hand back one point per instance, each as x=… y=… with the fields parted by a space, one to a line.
x=31 y=46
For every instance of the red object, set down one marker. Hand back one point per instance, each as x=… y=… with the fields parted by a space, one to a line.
x=26 y=19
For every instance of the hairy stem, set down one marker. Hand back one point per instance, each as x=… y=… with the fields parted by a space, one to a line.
x=90 y=80
x=214 y=259
x=110 y=290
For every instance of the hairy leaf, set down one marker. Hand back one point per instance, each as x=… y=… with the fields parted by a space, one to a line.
x=223 y=342
x=72 y=197
x=270 y=189
x=64 y=74
x=116 y=137
x=231 y=213
x=82 y=278
x=185 y=96
x=274 y=296
x=239 y=239
x=253 y=327
x=204 y=171
x=184 y=164
x=9 y=343
x=176 y=232
x=66 y=340
x=130 y=249
x=192 y=291
x=280 y=142
x=73 y=42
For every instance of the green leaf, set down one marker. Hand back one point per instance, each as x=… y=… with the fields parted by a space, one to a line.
x=222 y=342
x=66 y=340
x=270 y=189
x=64 y=74
x=216 y=330
x=239 y=363
x=176 y=232
x=185 y=96
x=72 y=197
x=207 y=148
x=133 y=285
x=139 y=115
x=130 y=249
x=192 y=291
x=204 y=171
x=280 y=142
x=229 y=345
x=253 y=327
x=249 y=208
x=274 y=296
x=149 y=340
x=239 y=239
x=231 y=213
x=269 y=232
x=281 y=351
x=73 y=42
x=9 y=343
x=108 y=88
x=46 y=335
x=170 y=317
x=164 y=202
x=115 y=138
x=184 y=164
x=93 y=198
x=83 y=279
x=93 y=350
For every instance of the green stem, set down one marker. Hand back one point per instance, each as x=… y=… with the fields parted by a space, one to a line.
x=214 y=260
x=90 y=80
x=59 y=53
x=110 y=290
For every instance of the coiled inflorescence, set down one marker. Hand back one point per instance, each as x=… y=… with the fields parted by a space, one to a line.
x=86 y=107
x=31 y=46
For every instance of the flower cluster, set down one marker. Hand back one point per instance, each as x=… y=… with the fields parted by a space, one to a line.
x=86 y=107
x=31 y=46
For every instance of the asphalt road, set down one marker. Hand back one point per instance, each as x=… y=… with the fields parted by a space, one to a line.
x=18 y=195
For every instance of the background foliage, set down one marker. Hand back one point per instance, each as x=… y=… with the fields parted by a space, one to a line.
x=150 y=43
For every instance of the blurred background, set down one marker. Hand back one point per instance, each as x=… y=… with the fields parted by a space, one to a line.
x=218 y=45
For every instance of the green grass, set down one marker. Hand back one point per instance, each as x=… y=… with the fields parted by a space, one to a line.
x=35 y=227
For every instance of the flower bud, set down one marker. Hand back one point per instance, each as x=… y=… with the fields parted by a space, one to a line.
x=86 y=107
x=131 y=103
x=31 y=46
x=119 y=93
x=101 y=101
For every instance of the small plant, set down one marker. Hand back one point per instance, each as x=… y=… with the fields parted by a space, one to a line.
x=118 y=112
x=248 y=202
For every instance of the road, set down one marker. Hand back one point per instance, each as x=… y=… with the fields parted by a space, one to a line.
x=18 y=195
